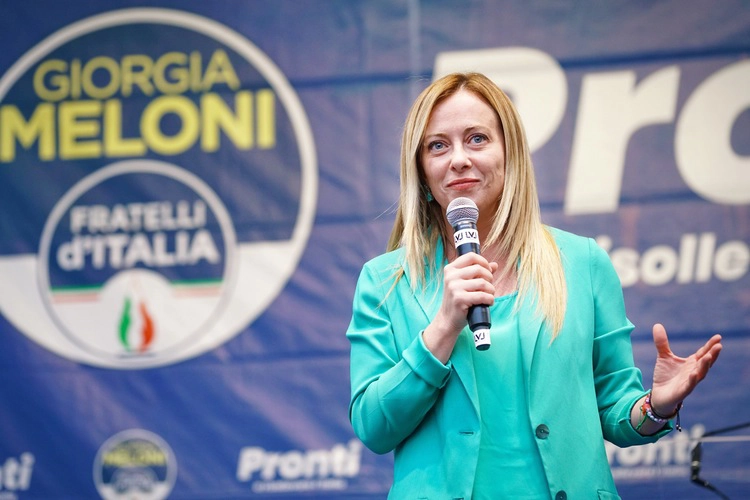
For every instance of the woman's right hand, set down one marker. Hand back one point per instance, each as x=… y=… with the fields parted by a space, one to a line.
x=467 y=281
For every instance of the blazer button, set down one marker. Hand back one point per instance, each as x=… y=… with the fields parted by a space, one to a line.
x=542 y=431
x=561 y=495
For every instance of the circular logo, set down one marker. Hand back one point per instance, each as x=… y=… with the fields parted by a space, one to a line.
x=192 y=185
x=135 y=464
x=141 y=276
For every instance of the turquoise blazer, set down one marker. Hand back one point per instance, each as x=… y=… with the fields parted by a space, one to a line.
x=582 y=386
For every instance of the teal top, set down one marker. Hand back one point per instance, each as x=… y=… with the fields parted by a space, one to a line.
x=509 y=464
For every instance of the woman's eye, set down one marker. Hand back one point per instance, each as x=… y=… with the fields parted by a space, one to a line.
x=435 y=146
x=477 y=139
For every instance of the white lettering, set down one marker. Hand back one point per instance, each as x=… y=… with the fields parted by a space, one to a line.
x=15 y=474
x=612 y=108
x=251 y=461
x=671 y=450
x=292 y=465
x=698 y=259
x=77 y=219
x=138 y=252
x=343 y=460
x=299 y=485
x=126 y=251
x=153 y=216
x=703 y=149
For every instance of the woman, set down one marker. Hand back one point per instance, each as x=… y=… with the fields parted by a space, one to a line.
x=528 y=417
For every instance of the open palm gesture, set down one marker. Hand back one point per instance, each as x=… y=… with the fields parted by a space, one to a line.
x=675 y=377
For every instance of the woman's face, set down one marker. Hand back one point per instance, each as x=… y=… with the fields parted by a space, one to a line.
x=463 y=153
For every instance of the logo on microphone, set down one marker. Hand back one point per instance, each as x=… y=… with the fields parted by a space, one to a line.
x=464 y=236
x=480 y=336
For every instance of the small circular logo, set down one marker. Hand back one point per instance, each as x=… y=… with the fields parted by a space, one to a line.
x=135 y=464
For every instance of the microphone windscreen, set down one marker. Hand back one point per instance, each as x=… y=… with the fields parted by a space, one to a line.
x=462 y=209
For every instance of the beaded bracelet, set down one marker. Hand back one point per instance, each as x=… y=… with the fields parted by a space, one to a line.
x=647 y=411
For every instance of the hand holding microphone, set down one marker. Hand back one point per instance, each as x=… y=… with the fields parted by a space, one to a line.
x=462 y=214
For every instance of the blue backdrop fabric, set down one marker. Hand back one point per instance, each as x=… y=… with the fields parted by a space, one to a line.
x=188 y=191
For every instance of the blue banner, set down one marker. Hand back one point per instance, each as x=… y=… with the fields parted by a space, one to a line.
x=189 y=190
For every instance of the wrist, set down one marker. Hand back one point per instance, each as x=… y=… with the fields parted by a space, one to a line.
x=438 y=343
x=648 y=413
x=666 y=412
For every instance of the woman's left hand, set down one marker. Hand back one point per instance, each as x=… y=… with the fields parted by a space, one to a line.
x=675 y=377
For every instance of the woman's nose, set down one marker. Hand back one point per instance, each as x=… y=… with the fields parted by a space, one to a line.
x=459 y=158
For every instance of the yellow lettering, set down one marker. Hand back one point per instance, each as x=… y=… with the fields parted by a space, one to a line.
x=40 y=127
x=75 y=128
x=87 y=77
x=60 y=83
x=220 y=70
x=81 y=115
x=217 y=116
x=75 y=79
x=114 y=144
x=151 y=131
x=266 y=117
x=136 y=72
x=196 y=69
x=102 y=77
x=178 y=75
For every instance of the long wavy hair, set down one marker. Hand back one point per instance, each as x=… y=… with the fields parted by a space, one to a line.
x=517 y=230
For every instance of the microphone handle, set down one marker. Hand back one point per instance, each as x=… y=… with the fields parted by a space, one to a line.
x=479 y=323
x=466 y=238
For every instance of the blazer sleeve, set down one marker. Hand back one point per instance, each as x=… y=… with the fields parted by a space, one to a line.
x=617 y=380
x=392 y=387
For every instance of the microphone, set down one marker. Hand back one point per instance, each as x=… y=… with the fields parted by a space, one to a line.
x=695 y=463
x=462 y=214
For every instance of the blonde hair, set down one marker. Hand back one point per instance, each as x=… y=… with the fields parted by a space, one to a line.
x=517 y=229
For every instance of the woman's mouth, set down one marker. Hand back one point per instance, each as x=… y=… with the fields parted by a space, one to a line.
x=463 y=184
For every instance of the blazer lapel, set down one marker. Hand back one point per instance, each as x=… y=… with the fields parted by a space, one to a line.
x=529 y=328
x=429 y=298
x=463 y=365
